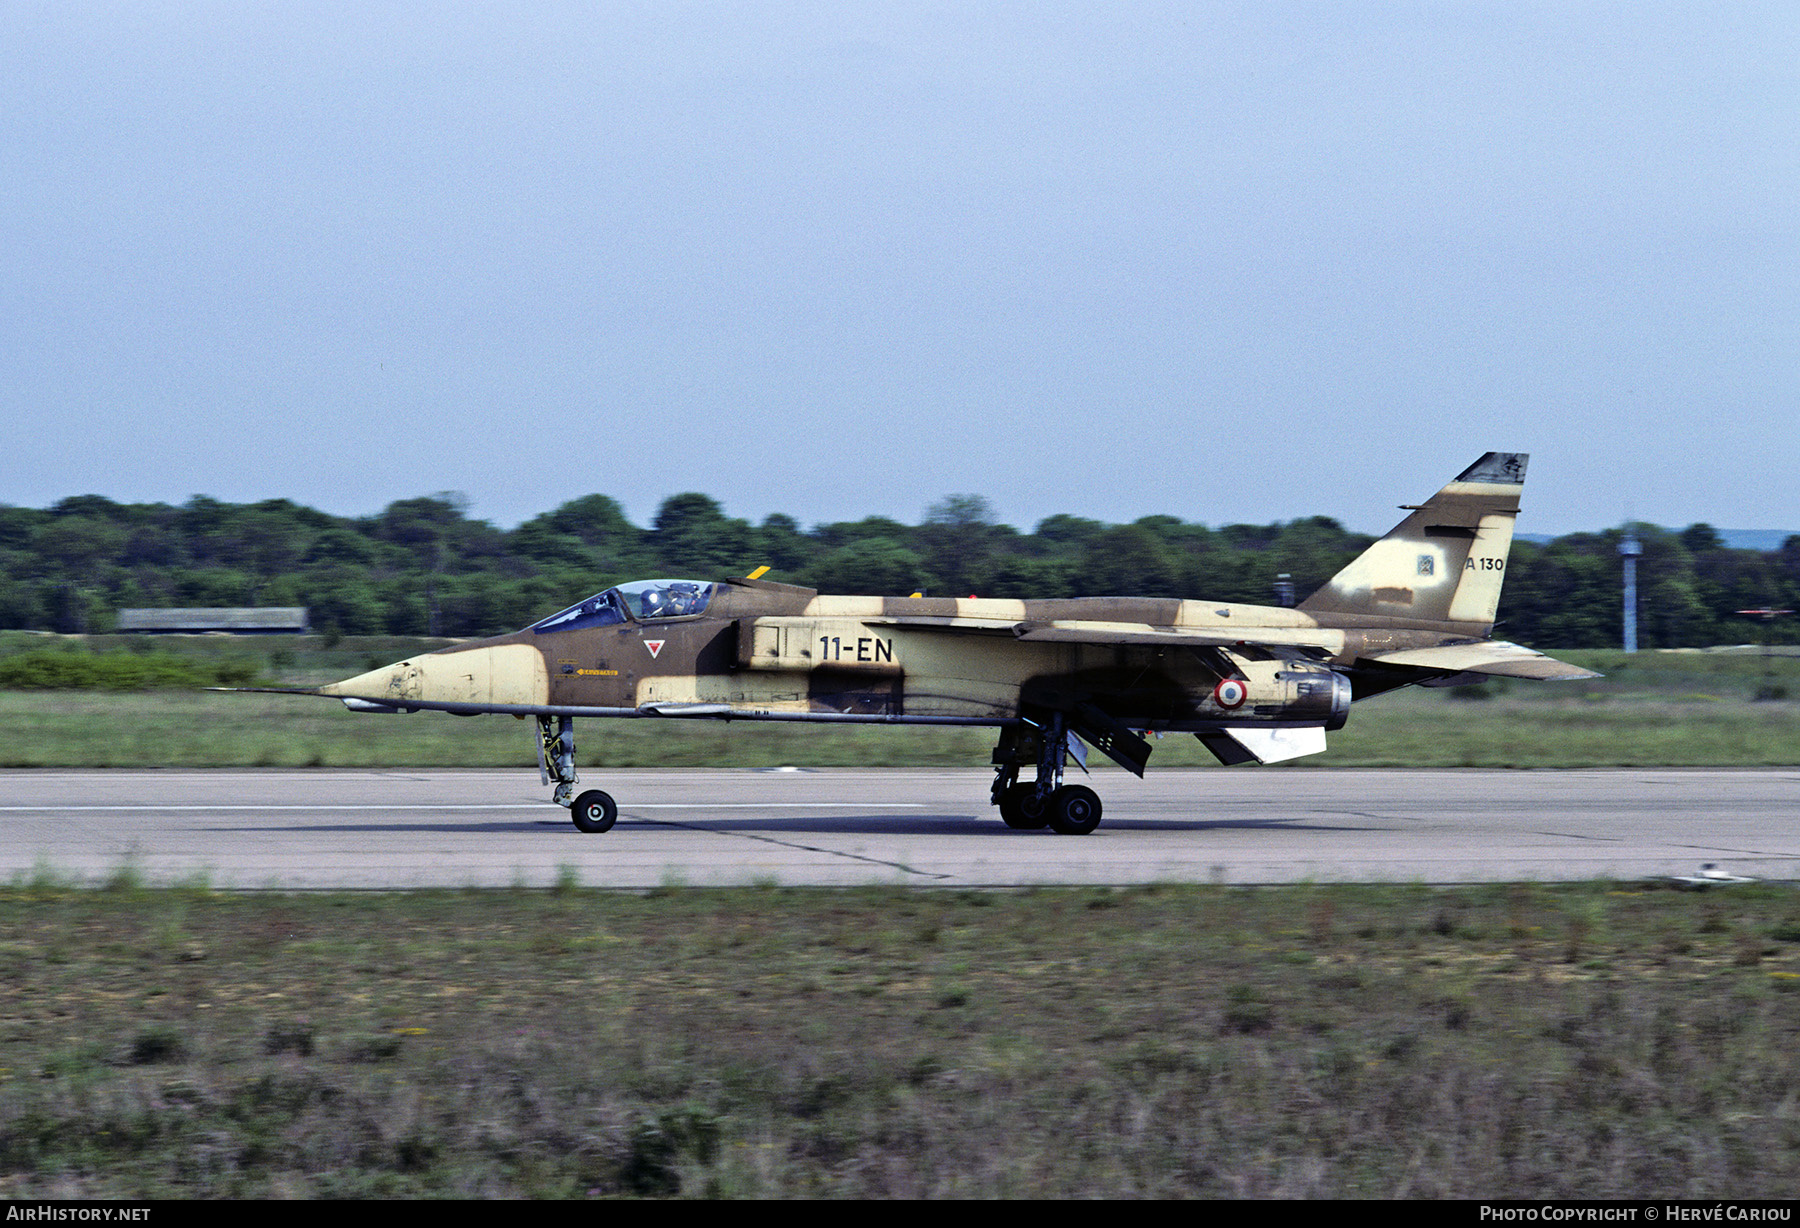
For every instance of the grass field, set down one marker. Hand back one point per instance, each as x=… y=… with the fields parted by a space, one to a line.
x=1654 y=709
x=1526 y=1042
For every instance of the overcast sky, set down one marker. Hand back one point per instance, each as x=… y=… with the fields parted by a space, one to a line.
x=1229 y=262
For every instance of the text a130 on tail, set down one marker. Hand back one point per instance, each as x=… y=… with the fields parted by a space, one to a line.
x=1053 y=677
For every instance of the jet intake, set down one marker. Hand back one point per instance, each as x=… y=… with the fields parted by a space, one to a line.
x=795 y=645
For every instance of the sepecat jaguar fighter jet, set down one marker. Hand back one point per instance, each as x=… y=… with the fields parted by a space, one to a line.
x=1253 y=683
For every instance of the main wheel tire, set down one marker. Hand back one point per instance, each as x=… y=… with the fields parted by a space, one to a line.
x=1021 y=810
x=1074 y=810
x=594 y=812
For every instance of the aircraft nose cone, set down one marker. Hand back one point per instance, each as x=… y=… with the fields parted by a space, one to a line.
x=496 y=674
x=401 y=680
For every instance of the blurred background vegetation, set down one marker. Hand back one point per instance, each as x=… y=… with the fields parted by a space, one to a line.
x=422 y=567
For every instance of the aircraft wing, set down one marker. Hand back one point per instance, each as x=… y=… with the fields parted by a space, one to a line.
x=1495 y=658
x=1322 y=639
x=1490 y=657
x=1088 y=632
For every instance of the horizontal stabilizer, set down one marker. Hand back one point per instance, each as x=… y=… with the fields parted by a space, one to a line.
x=1262 y=745
x=1493 y=657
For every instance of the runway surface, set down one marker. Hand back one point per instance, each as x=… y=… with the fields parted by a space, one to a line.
x=926 y=827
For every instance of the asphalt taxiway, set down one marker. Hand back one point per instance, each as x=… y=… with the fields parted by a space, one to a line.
x=925 y=827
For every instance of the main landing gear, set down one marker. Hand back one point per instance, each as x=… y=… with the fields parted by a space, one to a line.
x=1068 y=810
x=593 y=812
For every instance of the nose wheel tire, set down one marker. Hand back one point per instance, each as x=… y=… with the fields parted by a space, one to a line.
x=1074 y=810
x=594 y=812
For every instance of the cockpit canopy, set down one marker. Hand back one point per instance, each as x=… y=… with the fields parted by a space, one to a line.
x=642 y=601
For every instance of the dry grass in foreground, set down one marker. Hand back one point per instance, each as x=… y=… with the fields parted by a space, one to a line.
x=1530 y=1042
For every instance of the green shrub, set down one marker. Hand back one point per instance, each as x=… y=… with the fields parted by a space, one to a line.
x=59 y=669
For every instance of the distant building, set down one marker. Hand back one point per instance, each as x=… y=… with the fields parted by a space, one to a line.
x=273 y=620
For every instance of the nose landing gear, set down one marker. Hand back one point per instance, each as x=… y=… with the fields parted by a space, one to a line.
x=594 y=811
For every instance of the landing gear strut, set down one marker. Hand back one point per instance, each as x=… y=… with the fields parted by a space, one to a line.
x=592 y=812
x=1069 y=810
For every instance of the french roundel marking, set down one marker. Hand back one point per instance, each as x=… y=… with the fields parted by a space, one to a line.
x=1230 y=693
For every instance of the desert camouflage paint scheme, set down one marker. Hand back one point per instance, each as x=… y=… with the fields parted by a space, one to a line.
x=1254 y=683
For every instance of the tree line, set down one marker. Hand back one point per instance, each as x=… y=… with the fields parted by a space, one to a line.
x=423 y=567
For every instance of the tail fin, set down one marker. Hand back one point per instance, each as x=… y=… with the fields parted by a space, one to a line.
x=1443 y=563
